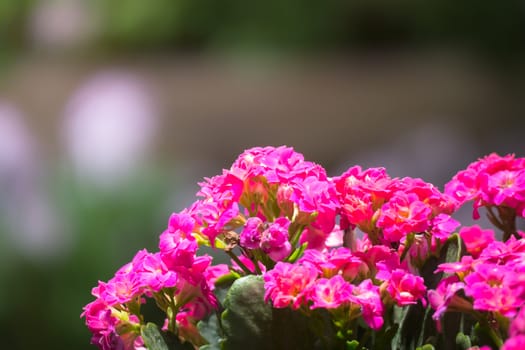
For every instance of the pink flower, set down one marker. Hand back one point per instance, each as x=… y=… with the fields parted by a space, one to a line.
x=251 y=234
x=445 y=297
x=402 y=215
x=442 y=226
x=120 y=289
x=223 y=189
x=215 y=217
x=111 y=329
x=438 y=202
x=517 y=325
x=406 y=288
x=330 y=293
x=284 y=199
x=476 y=239
x=489 y=286
x=152 y=273
x=212 y=273
x=316 y=196
x=461 y=267
x=332 y=262
x=367 y=295
x=276 y=164
x=177 y=245
x=492 y=180
x=248 y=263
x=514 y=343
x=362 y=193
x=379 y=258
x=289 y=284
x=274 y=241
x=505 y=187
x=96 y=314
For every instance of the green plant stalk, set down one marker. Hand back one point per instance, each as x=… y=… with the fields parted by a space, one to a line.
x=239 y=262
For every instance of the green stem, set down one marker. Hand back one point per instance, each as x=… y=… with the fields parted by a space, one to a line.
x=495 y=338
x=349 y=239
x=297 y=234
x=239 y=262
x=508 y=219
x=364 y=339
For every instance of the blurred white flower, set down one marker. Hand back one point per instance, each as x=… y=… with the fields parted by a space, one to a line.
x=16 y=144
x=109 y=128
x=25 y=209
x=62 y=23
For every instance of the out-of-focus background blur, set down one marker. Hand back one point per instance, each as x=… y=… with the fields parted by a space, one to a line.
x=112 y=111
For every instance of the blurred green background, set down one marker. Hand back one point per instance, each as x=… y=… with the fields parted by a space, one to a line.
x=112 y=111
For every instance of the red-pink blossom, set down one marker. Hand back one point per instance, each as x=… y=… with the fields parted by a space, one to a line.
x=251 y=234
x=442 y=226
x=517 y=325
x=330 y=293
x=489 y=287
x=214 y=272
x=460 y=267
x=248 y=263
x=367 y=295
x=152 y=273
x=406 y=288
x=332 y=262
x=274 y=240
x=362 y=193
x=111 y=329
x=492 y=180
x=514 y=343
x=288 y=284
x=402 y=215
x=445 y=297
x=476 y=239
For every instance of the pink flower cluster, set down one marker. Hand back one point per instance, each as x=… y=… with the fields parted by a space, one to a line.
x=493 y=282
x=282 y=217
x=263 y=188
x=390 y=209
x=362 y=283
x=516 y=340
x=174 y=277
x=491 y=181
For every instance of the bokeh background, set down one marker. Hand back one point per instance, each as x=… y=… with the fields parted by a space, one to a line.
x=112 y=111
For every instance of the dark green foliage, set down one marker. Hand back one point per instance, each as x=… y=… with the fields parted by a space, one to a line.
x=248 y=321
x=152 y=337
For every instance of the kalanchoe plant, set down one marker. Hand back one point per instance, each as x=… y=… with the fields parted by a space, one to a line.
x=357 y=261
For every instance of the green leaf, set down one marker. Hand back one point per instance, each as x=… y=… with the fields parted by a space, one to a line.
x=211 y=331
x=416 y=326
x=248 y=321
x=426 y=347
x=297 y=253
x=226 y=279
x=352 y=345
x=152 y=337
x=247 y=318
x=463 y=341
x=453 y=248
